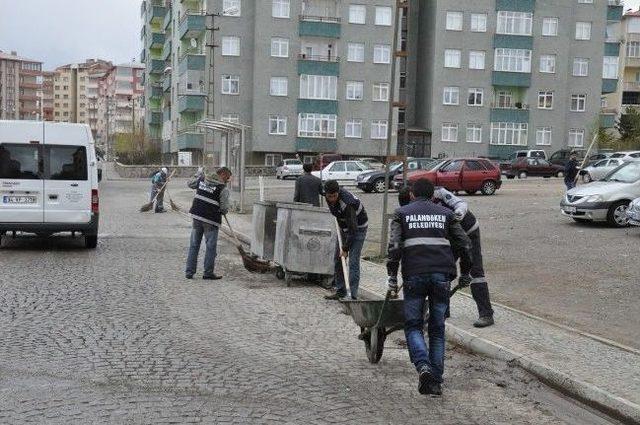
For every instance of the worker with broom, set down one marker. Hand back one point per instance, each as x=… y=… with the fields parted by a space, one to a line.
x=210 y=203
x=158 y=181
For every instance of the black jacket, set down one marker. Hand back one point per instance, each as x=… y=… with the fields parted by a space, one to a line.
x=308 y=190
x=571 y=170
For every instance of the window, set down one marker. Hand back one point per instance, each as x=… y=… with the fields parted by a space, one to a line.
x=231 y=7
x=475 y=97
x=454 y=21
x=548 y=64
x=280 y=9
x=20 y=161
x=633 y=25
x=580 y=67
x=278 y=125
x=380 y=92
x=610 y=67
x=451 y=96
x=545 y=100
x=381 y=53
x=355 y=52
x=543 y=136
x=279 y=86
x=583 y=30
x=478 y=22
x=231 y=118
x=230 y=46
x=280 y=47
x=379 y=129
x=578 y=102
x=449 y=132
x=512 y=60
x=453 y=166
x=516 y=23
x=231 y=84
x=576 y=138
x=355 y=90
x=550 y=27
x=383 y=16
x=353 y=129
x=357 y=14
x=68 y=163
x=317 y=125
x=323 y=87
x=474 y=133
x=509 y=133
x=272 y=159
x=476 y=59
x=633 y=49
x=452 y=58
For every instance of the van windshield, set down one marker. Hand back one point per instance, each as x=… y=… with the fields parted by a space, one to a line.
x=68 y=163
x=20 y=162
x=627 y=173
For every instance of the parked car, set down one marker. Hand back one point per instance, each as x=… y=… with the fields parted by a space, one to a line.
x=633 y=212
x=48 y=179
x=325 y=159
x=289 y=168
x=370 y=181
x=525 y=167
x=607 y=199
x=345 y=172
x=599 y=169
x=468 y=174
x=626 y=155
x=598 y=156
x=374 y=163
x=562 y=156
x=506 y=164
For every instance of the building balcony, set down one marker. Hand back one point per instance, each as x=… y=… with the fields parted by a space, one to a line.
x=190 y=140
x=513 y=79
x=157 y=40
x=308 y=144
x=157 y=66
x=614 y=11
x=513 y=41
x=192 y=25
x=632 y=86
x=609 y=85
x=516 y=5
x=166 y=50
x=168 y=18
x=192 y=62
x=156 y=14
x=25 y=97
x=31 y=85
x=607 y=120
x=520 y=115
x=632 y=62
x=612 y=48
x=166 y=114
x=156 y=91
x=191 y=103
x=319 y=26
x=318 y=65
x=143 y=55
x=155 y=118
x=166 y=83
x=318 y=106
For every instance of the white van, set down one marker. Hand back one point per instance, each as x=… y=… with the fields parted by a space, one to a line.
x=48 y=179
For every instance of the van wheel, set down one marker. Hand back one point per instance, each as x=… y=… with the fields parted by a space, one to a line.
x=617 y=215
x=560 y=174
x=488 y=188
x=522 y=175
x=91 y=241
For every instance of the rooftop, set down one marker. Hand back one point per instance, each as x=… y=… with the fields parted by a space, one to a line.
x=15 y=57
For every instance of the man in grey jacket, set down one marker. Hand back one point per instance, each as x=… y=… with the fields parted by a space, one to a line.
x=308 y=187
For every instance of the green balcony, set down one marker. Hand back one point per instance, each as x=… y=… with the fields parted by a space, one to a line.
x=166 y=83
x=156 y=91
x=312 y=26
x=157 y=14
x=192 y=26
x=157 y=66
x=513 y=41
x=609 y=86
x=513 y=79
x=166 y=114
x=316 y=65
x=509 y=115
x=614 y=12
x=516 y=5
x=503 y=152
x=612 y=49
x=157 y=40
x=155 y=118
x=307 y=144
x=166 y=51
x=191 y=103
x=318 y=106
x=191 y=62
x=168 y=18
x=607 y=120
x=190 y=141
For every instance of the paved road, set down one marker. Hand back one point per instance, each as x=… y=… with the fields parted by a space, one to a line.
x=116 y=335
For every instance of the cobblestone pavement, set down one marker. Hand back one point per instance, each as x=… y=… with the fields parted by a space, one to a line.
x=116 y=335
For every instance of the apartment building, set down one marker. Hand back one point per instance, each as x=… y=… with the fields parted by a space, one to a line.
x=628 y=93
x=47 y=95
x=20 y=87
x=9 y=85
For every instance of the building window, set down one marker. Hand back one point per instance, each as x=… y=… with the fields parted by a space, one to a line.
x=633 y=49
x=576 y=138
x=515 y=23
x=277 y=125
x=231 y=7
x=230 y=46
x=317 y=125
x=475 y=97
x=231 y=84
x=381 y=53
x=545 y=100
x=452 y=58
x=583 y=30
x=474 y=133
x=580 y=67
x=353 y=129
x=512 y=60
x=383 y=15
x=280 y=47
x=548 y=64
x=543 y=136
x=454 y=21
x=357 y=14
x=379 y=129
x=476 y=59
x=323 y=87
x=355 y=90
x=610 y=67
x=279 y=86
x=633 y=25
x=449 y=132
x=380 y=92
x=355 y=52
x=272 y=159
x=230 y=118
x=451 y=96
x=478 y=22
x=578 y=102
x=280 y=9
x=509 y=133
x=550 y=27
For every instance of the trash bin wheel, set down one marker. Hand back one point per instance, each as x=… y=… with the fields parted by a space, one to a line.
x=374 y=344
x=280 y=273
x=327 y=282
x=287 y=278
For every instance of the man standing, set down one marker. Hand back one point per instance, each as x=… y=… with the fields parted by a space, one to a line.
x=308 y=187
x=353 y=222
x=423 y=238
x=158 y=181
x=571 y=171
x=210 y=203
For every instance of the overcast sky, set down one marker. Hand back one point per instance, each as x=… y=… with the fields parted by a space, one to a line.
x=65 y=31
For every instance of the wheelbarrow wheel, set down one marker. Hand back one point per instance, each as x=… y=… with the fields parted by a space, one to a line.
x=374 y=344
x=280 y=273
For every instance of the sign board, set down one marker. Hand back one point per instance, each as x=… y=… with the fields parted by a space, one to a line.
x=184 y=159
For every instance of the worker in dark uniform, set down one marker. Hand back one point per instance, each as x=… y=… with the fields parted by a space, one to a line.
x=423 y=238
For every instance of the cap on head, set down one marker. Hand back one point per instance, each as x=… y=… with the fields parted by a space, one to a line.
x=164 y=170
x=331 y=187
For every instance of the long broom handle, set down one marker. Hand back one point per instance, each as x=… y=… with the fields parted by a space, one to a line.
x=163 y=186
x=235 y=237
x=343 y=260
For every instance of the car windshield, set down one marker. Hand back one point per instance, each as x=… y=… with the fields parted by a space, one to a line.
x=618 y=155
x=365 y=166
x=627 y=173
x=395 y=166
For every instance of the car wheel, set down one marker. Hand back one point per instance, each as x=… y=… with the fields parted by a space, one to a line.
x=617 y=215
x=91 y=241
x=522 y=175
x=586 y=178
x=488 y=188
x=560 y=174
x=277 y=177
x=379 y=185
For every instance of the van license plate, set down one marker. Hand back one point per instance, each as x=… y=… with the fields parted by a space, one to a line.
x=570 y=209
x=19 y=200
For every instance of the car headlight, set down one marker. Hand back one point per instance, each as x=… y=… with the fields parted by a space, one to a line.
x=594 y=198
x=366 y=178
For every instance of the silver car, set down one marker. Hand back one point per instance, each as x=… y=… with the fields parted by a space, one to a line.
x=633 y=213
x=289 y=168
x=599 y=169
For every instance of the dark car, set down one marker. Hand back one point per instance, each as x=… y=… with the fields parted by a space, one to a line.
x=373 y=181
x=535 y=167
x=561 y=157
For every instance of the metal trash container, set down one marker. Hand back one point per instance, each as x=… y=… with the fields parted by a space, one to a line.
x=306 y=240
x=263 y=236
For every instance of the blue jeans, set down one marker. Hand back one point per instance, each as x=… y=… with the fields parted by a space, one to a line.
x=570 y=184
x=354 y=266
x=159 y=200
x=416 y=289
x=210 y=234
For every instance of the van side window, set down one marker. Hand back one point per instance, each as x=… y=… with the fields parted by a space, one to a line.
x=20 y=162
x=68 y=163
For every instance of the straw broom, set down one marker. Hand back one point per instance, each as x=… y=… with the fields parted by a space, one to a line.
x=149 y=205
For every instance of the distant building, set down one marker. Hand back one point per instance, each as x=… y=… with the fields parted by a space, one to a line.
x=47 y=95
x=20 y=87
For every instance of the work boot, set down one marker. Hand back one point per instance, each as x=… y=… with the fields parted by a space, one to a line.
x=425 y=380
x=334 y=297
x=212 y=277
x=189 y=276
x=434 y=388
x=483 y=322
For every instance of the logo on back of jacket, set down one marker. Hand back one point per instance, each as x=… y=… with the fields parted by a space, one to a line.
x=207 y=188
x=425 y=221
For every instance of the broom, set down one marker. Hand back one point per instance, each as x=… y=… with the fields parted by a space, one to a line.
x=252 y=264
x=174 y=207
x=149 y=205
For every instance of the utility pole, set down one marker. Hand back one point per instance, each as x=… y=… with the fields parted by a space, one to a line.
x=210 y=45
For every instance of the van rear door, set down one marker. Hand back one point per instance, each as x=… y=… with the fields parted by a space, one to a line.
x=21 y=172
